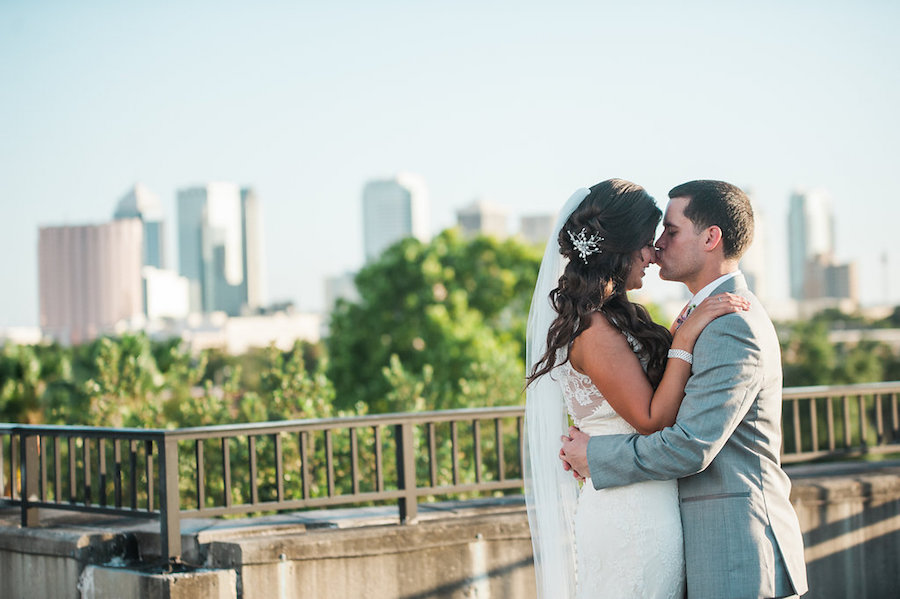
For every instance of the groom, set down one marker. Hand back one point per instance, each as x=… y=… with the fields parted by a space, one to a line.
x=741 y=534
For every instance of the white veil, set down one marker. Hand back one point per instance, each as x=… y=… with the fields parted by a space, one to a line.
x=550 y=492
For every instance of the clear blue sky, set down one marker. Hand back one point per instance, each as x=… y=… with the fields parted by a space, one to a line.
x=518 y=102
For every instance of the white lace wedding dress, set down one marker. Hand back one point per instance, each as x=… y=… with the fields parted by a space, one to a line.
x=628 y=540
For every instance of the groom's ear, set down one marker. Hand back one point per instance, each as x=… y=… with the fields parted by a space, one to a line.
x=712 y=238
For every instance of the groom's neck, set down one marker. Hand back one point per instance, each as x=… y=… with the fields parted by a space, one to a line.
x=710 y=274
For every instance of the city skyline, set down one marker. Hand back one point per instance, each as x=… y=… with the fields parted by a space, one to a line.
x=521 y=108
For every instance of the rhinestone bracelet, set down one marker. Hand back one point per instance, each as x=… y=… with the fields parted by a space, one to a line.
x=682 y=355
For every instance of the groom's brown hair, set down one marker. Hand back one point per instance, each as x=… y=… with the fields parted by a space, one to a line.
x=723 y=205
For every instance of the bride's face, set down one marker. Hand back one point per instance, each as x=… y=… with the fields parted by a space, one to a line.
x=643 y=258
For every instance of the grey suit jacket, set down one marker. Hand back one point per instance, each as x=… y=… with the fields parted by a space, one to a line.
x=741 y=534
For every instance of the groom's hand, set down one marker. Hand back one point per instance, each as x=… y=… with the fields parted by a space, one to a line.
x=574 y=453
x=567 y=466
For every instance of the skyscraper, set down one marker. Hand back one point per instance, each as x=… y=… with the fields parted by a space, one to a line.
x=810 y=236
x=254 y=261
x=219 y=247
x=537 y=228
x=815 y=276
x=483 y=218
x=89 y=278
x=139 y=202
x=392 y=210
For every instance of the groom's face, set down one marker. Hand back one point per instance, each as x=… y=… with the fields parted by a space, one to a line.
x=680 y=248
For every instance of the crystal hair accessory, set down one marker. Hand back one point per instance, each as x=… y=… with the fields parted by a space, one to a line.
x=586 y=245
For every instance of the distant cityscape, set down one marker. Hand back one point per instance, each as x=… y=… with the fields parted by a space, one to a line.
x=113 y=277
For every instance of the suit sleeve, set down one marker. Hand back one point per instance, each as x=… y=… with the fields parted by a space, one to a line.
x=725 y=380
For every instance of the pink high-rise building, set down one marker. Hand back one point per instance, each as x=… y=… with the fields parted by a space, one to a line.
x=89 y=278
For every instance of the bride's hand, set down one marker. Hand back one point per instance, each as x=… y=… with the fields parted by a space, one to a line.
x=710 y=309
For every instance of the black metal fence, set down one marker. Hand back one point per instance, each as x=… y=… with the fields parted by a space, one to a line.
x=272 y=466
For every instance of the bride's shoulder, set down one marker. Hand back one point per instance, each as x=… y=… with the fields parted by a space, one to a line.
x=603 y=325
x=601 y=337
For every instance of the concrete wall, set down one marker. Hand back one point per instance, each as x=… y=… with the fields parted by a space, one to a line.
x=850 y=514
x=475 y=556
x=851 y=523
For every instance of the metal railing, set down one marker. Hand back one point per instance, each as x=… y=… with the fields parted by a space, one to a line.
x=260 y=467
x=289 y=465
x=840 y=421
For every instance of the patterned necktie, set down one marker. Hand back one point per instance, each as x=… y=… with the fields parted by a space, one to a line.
x=683 y=316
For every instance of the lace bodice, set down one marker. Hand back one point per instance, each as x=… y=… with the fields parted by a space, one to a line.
x=586 y=405
x=628 y=540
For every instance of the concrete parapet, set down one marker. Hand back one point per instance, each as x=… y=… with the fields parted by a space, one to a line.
x=485 y=555
x=98 y=582
x=850 y=517
x=46 y=562
x=849 y=513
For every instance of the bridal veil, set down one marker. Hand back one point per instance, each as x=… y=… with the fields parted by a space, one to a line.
x=551 y=493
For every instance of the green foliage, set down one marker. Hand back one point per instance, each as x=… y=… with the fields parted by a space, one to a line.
x=21 y=384
x=132 y=381
x=810 y=358
x=440 y=310
x=126 y=382
x=287 y=390
x=892 y=321
x=656 y=313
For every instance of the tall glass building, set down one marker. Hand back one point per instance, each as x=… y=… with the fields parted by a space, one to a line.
x=139 y=202
x=810 y=236
x=219 y=247
x=394 y=209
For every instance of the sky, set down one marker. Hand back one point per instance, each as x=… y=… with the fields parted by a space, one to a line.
x=518 y=102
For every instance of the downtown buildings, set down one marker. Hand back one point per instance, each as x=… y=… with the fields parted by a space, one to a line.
x=111 y=277
x=483 y=218
x=816 y=279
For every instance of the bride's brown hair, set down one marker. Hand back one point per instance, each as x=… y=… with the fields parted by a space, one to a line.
x=625 y=216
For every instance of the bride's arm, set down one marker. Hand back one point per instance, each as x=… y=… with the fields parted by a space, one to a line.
x=603 y=353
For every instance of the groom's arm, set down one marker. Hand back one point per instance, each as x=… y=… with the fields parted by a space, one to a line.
x=726 y=379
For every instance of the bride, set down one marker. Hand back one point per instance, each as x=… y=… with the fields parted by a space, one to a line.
x=599 y=358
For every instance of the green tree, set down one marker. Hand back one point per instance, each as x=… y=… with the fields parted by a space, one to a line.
x=21 y=384
x=125 y=387
x=859 y=363
x=807 y=355
x=449 y=304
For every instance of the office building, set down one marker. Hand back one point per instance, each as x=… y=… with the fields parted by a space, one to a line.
x=825 y=279
x=537 y=228
x=393 y=209
x=483 y=218
x=810 y=236
x=139 y=202
x=220 y=249
x=90 y=279
x=254 y=261
x=166 y=294
x=816 y=277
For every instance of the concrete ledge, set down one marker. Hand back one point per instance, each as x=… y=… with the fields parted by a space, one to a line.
x=86 y=545
x=97 y=582
x=849 y=514
x=471 y=556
